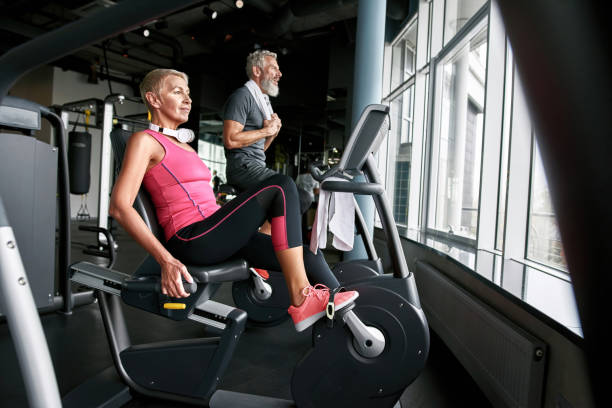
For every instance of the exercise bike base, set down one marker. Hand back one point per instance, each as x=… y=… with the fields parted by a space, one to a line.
x=266 y=313
x=320 y=379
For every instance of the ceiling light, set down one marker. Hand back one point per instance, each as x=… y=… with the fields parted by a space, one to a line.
x=146 y=32
x=239 y=3
x=212 y=14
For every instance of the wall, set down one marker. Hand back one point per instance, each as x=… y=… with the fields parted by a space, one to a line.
x=37 y=86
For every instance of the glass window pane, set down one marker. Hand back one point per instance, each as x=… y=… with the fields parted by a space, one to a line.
x=397 y=64
x=543 y=240
x=457 y=13
x=403 y=58
x=400 y=153
x=460 y=138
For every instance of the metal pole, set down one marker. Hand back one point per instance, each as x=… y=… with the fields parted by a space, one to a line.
x=63 y=189
x=106 y=160
x=367 y=89
x=24 y=323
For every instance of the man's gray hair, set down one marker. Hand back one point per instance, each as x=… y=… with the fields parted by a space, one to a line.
x=257 y=59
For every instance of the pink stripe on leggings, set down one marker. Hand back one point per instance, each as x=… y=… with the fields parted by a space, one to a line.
x=279 y=233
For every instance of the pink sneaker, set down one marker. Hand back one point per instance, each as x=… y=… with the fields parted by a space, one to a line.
x=315 y=304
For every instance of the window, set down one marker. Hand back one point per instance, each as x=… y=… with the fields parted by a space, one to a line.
x=543 y=239
x=400 y=139
x=457 y=13
x=403 y=58
x=210 y=143
x=399 y=147
x=457 y=147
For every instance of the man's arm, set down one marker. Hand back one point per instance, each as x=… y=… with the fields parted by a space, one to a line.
x=235 y=137
x=269 y=141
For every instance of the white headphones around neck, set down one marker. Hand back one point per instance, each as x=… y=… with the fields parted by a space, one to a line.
x=182 y=135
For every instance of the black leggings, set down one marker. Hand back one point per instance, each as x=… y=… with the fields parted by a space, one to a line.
x=231 y=232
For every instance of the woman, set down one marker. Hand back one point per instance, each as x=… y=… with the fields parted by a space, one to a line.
x=198 y=231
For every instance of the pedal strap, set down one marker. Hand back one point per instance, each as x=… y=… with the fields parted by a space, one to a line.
x=330 y=310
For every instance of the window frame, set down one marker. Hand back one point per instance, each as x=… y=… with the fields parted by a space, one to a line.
x=478 y=22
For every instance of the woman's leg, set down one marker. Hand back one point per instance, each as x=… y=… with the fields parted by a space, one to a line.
x=259 y=253
x=224 y=233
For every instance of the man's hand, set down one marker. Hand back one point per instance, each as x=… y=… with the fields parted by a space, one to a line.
x=273 y=125
x=276 y=118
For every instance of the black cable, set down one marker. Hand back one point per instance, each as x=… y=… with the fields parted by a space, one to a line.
x=77 y=122
x=104 y=46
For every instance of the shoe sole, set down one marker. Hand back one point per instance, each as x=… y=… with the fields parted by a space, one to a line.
x=309 y=321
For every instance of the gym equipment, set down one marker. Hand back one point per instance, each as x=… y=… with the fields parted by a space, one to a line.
x=33 y=169
x=363 y=355
x=379 y=371
x=226 y=193
x=266 y=302
x=79 y=158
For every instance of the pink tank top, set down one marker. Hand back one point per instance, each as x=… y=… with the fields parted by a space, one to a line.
x=180 y=188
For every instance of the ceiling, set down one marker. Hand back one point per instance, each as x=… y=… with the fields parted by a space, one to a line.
x=307 y=35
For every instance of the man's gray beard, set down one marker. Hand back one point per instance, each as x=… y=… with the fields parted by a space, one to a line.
x=268 y=86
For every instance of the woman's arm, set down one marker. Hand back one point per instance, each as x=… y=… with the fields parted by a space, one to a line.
x=142 y=151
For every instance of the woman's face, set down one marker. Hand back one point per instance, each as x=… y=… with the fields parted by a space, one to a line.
x=174 y=98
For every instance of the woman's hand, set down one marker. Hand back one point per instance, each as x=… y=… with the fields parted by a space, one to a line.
x=173 y=272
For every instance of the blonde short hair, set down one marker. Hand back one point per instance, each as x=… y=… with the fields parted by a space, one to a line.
x=257 y=59
x=152 y=82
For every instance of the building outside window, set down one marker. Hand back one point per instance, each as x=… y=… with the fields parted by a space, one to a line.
x=457 y=145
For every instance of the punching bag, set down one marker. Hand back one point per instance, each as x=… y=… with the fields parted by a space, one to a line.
x=79 y=156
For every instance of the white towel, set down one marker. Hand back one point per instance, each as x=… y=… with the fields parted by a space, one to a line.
x=262 y=100
x=336 y=211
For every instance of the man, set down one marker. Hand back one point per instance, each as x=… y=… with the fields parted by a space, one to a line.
x=249 y=124
x=216 y=180
x=306 y=182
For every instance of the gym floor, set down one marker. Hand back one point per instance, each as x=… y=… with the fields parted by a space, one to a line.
x=79 y=350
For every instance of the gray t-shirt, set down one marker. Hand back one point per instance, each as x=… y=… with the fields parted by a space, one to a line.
x=241 y=107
